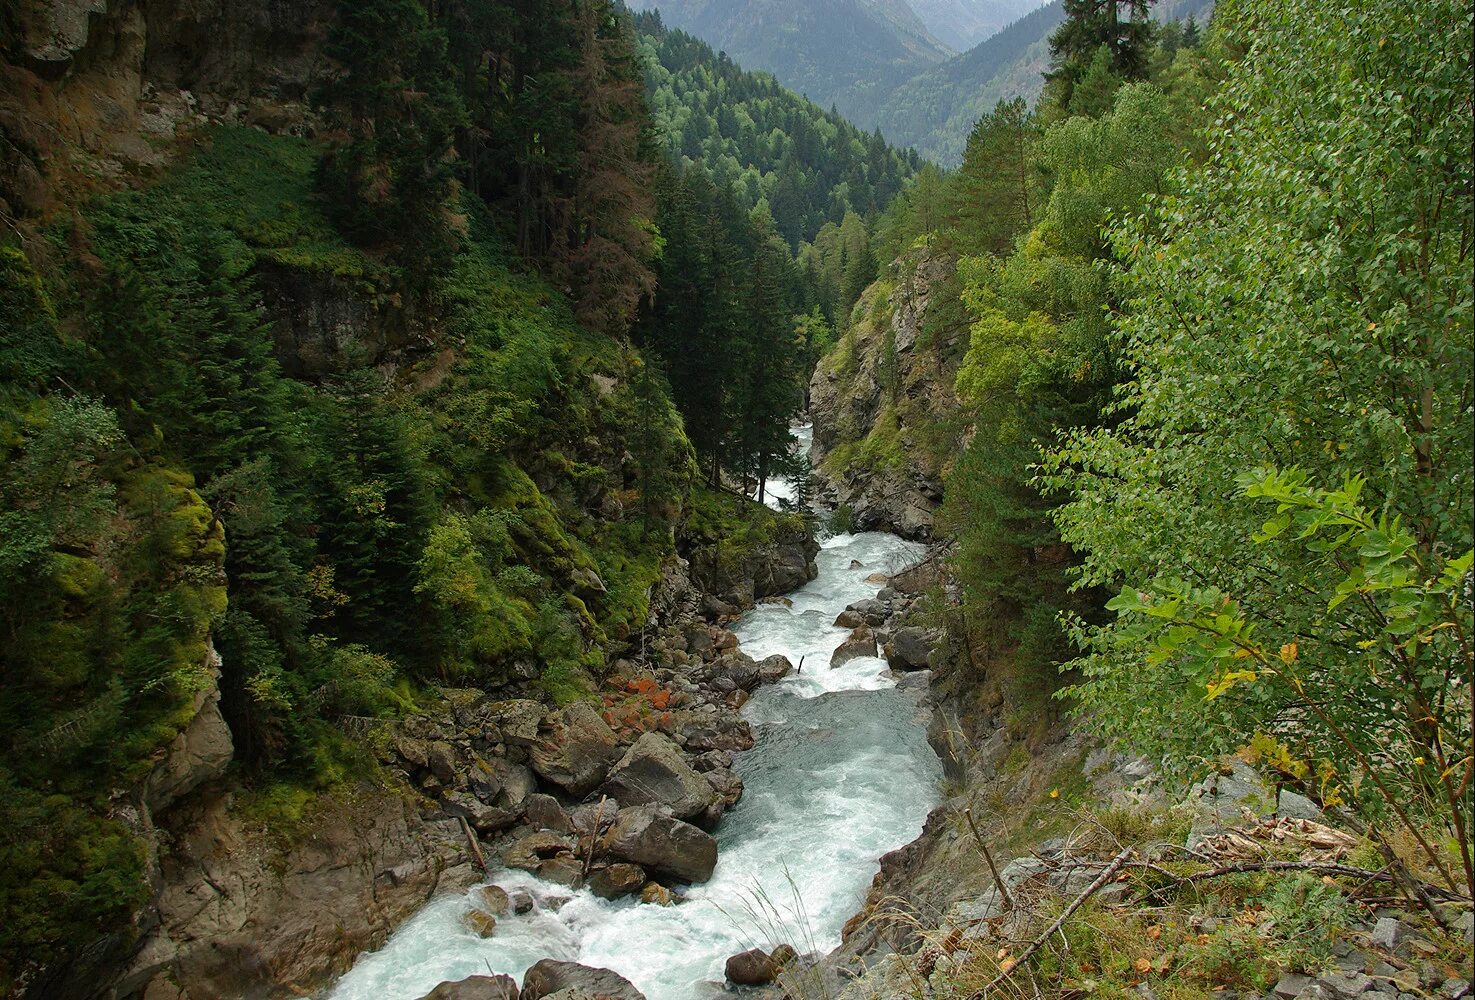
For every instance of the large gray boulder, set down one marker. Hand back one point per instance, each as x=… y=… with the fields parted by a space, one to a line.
x=862 y=642
x=617 y=881
x=662 y=844
x=476 y=988
x=751 y=968
x=738 y=667
x=575 y=749
x=909 y=649
x=772 y=669
x=654 y=772
x=549 y=977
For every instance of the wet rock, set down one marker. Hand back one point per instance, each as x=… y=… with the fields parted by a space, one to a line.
x=862 y=642
x=529 y=852
x=850 y=619
x=871 y=611
x=727 y=785
x=663 y=844
x=657 y=894
x=522 y=902
x=564 y=869
x=544 y=812
x=594 y=817
x=751 y=968
x=479 y=922
x=493 y=899
x=476 y=988
x=737 y=667
x=772 y=669
x=617 y=881
x=515 y=783
x=712 y=760
x=576 y=749
x=728 y=733
x=909 y=649
x=549 y=977
x=482 y=817
x=655 y=772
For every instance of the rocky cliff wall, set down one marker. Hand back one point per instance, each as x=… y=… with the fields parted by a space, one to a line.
x=885 y=417
x=102 y=91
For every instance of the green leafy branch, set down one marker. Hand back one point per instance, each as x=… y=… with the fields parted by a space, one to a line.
x=1411 y=629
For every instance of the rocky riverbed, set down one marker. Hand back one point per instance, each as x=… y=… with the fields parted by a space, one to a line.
x=731 y=802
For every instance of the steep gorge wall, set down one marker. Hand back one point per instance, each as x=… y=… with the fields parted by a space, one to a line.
x=107 y=95
x=885 y=417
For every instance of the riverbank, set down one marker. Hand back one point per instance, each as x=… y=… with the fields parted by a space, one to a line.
x=834 y=772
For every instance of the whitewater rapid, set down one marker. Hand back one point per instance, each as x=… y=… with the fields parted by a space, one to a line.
x=840 y=775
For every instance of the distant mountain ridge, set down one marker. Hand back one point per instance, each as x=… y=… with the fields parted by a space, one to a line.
x=935 y=110
x=887 y=64
x=846 y=53
x=963 y=24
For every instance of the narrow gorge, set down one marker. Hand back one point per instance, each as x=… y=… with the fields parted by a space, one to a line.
x=500 y=501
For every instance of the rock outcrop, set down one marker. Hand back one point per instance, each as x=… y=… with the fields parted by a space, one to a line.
x=476 y=988
x=654 y=772
x=663 y=844
x=878 y=400
x=550 y=977
x=238 y=913
x=575 y=750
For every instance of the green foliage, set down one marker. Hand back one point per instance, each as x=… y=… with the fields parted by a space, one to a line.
x=1098 y=40
x=1303 y=300
x=382 y=533
x=726 y=327
x=1381 y=736
x=390 y=183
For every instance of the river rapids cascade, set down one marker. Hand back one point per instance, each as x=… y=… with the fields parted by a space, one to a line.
x=841 y=774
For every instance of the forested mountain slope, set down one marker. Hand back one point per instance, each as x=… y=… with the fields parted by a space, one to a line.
x=934 y=111
x=845 y=53
x=809 y=166
x=962 y=24
x=317 y=319
x=1191 y=344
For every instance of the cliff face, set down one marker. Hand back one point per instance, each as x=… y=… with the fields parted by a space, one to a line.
x=103 y=90
x=885 y=417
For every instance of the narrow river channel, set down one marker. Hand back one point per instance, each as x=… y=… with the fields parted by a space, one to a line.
x=841 y=774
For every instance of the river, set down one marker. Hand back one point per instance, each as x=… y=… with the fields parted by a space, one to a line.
x=840 y=775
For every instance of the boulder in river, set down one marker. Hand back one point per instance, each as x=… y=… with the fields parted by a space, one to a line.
x=493 y=899
x=772 y=669
x=476 y=988
x=862 y=642
x=479 y=923
x=663 y=844
x=532 y=850
x=549 y=977
x=909 y=649
x=751 y=968
x=575 y=749
x=617 y=881
x=654 y=772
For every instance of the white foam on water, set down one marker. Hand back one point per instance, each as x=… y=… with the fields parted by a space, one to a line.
x=841 y=775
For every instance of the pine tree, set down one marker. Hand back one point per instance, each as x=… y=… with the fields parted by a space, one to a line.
x=993 y=189
x=1122 y=26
